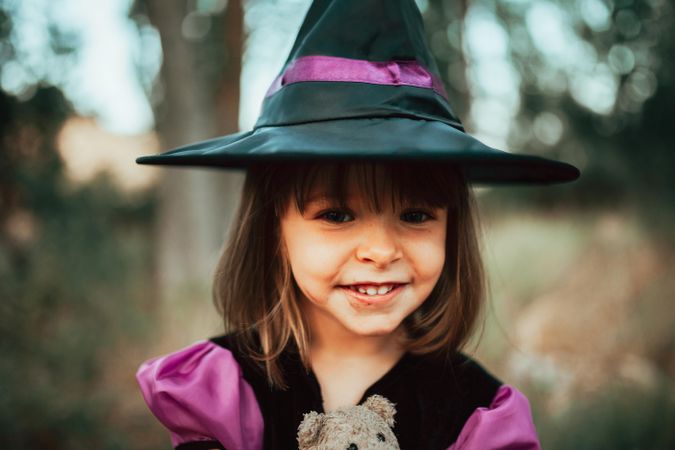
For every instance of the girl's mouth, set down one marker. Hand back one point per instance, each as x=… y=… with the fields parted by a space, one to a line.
x=370 y=294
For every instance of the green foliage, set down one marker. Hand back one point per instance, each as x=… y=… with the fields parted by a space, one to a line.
x=74 y=265
x=619 y=419
x=73 y=261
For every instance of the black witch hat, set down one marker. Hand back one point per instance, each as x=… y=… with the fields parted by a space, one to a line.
x=361 y=84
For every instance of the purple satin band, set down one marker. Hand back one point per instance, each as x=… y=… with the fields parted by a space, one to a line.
x=333 y=68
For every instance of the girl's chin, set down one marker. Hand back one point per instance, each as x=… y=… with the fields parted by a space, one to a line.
x=372 y=326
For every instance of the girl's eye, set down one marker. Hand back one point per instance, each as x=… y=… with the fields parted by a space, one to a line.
x=415 y=216
x=336 y=216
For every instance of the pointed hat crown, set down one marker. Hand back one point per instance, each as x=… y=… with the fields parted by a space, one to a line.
x=358 y=58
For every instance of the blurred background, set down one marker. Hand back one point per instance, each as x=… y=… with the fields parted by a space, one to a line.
x=104 y=263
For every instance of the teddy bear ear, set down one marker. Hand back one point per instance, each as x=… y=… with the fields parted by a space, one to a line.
x=310 y=429
x=382 y=407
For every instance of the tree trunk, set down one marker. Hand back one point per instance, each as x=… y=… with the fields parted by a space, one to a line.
x=194 y=204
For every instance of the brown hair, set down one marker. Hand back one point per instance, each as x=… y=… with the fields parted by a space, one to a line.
x=254 y=289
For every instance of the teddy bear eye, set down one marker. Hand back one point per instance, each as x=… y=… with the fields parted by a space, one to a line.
x=380 y=437
x=353 y=446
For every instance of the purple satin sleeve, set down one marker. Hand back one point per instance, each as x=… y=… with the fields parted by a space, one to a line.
x=198 y=393
x=505 y=425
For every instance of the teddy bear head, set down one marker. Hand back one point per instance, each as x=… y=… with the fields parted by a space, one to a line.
x=361 y=427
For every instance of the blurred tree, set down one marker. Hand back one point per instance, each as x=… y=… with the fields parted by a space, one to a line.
x=200 y=86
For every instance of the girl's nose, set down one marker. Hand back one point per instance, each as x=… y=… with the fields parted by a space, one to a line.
x=379 y=246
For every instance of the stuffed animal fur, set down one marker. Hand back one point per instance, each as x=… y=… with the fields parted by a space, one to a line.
x=360 y=427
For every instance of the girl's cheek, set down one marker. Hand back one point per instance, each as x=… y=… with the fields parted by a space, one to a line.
x=323 y=259
x=311 y=251
x=430 y=258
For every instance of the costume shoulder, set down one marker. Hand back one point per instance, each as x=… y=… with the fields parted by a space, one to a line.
x=476 y=386
x=506 y=423
x=199 y=394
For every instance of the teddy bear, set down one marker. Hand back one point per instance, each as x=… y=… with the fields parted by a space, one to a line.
x=361 y=427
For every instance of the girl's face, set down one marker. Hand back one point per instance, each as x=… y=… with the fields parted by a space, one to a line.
x=395 y=256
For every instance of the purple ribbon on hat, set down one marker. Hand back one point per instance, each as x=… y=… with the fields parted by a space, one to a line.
x=333 y=68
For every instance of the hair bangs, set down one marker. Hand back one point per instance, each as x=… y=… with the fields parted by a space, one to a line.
x=401 y=184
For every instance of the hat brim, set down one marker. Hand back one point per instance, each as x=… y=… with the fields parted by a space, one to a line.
x=379 y=139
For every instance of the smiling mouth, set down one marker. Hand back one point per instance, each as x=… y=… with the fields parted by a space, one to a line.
x=373 y=290
x=369 y=295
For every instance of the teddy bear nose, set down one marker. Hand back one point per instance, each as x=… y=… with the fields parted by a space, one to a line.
x=353 y=447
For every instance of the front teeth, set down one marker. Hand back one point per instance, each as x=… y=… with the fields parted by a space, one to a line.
x=375 y=291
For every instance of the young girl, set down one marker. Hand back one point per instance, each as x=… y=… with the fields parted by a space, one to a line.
x=353 y=266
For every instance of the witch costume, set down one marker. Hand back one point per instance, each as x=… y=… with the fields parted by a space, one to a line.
x=359 y=84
